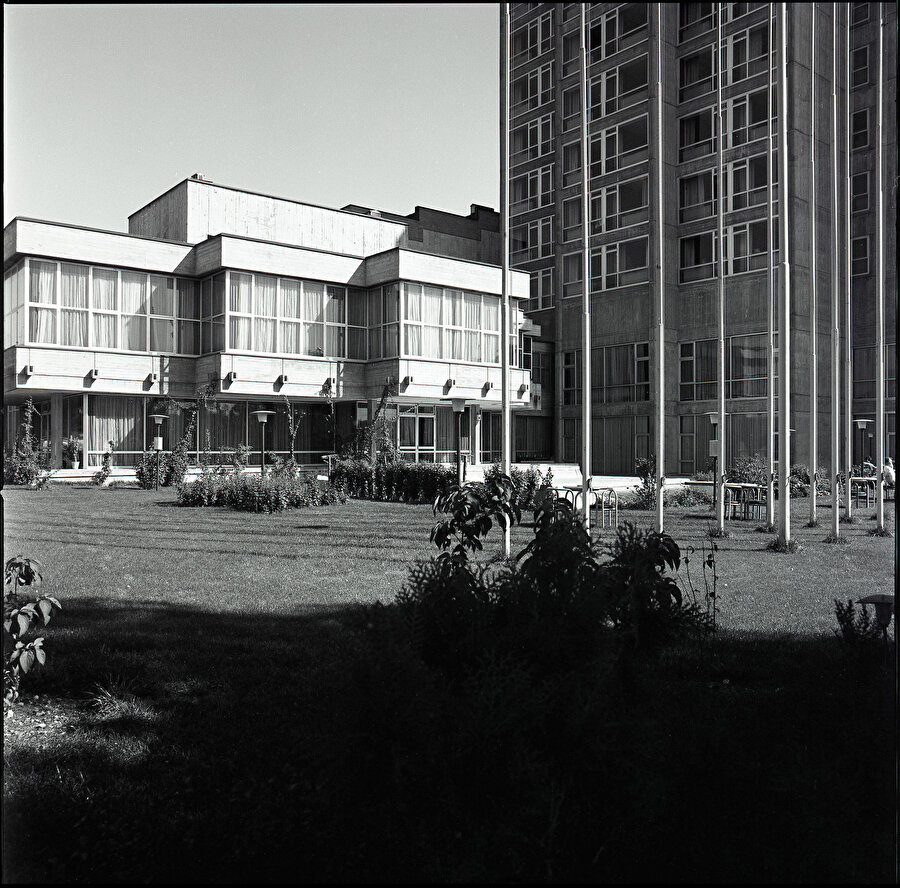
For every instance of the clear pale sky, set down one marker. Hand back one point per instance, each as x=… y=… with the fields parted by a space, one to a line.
x=384 y=105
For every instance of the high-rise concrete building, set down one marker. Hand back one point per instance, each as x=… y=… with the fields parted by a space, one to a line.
x=632 y=160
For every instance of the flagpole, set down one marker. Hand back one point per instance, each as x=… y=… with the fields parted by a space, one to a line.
x=504 y=222
x=660 y=282
x=813 y=296
x=770 y=293
x=848 y=330
x=879 y=283
x=784 y=305
x=835 y=460
x=720 y=256
x=586 y=297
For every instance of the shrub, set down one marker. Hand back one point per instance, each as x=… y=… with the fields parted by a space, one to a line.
x=105 y=470
x=27 y=464
x=856 y=629
x=644 y=493
x=252 y=493
x=18 y=616
x=390 y=481
x=150 y=466
x=526 y=483
x=749 y=470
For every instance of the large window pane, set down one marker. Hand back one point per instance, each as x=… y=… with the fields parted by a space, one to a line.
x=42 y=325
x=313 y=301
x=335 y=305
x=162 y=335
x=43 y=282
x=105 y=293
x=162 y=296
x=188 y=299
x=73 y=328
x=239 y=293
x=134 y=293
x=189 y=337
x=134 y=333
x=105 y=330
x=73 y=286
x=239 y=333
x=290 y=299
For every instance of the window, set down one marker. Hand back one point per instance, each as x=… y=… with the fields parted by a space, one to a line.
x=525 y=351
x=573 y=275
x=694 y=19
x=746 y=53
x=698 y=74
x=686 y=445
x=571 y=99
x=746 y=365
x=860 y=192
x=697 y=196
x=746 y=118
x=617 y=30
x=571 y=211
x=531 y=190
x=531 y=140
x=532 y=89
x=698 y=370
x=860 y=129
x=746 y=182
x=859 y=75
x=532 y=240
x=134 y=311
x=541 y=290
x=620 y=205
x=623 y=376
x=621 y=264
x=105 y=306
x=571 y=52
x=859 y=256
x=620 y=146
x=746 y=246
x=864 y=372
x=572 y=377
x=571 y=154
x=212 y=309
x=697 y=257
x=619 y=87
x=859 y=13
x=532 y=39
x=73 y=299
x=696 y=135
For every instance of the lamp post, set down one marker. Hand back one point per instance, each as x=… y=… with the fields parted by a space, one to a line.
x=459 y=406
x=714 y=453
x=861 y=425
x=157 y=441
x=262 y=417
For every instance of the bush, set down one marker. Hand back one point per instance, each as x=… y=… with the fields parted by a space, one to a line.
x=404 y=482
x=27 y=464
x=749 y=470
x=526 y=483
x=99 y=477
x=18 y=616
x=253 y=493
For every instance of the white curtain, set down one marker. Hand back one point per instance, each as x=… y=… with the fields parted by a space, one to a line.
x=412 y=333
x=471 y=346
x=290 y=298
x=453 y=345
x=162 y=335
x=431 y=342
x=491 y=313
x=162 y=296
x=239 y=331
x=105 y=296
x=431 y=305
x=334 y=341
x=453 y=308
x=43 y=282
x=120 y=420
x=134 y=333
x=491 y=348
x=472 y=311
x=313 y=301
x=291 y=339
x=314 y=338
x=104 y=330
x=239 y=297
x=74 y=286
x=413 y=302
x=73 y=327
x=134 y=293
x=42 y=325
x=264 y=302
x=265 y=335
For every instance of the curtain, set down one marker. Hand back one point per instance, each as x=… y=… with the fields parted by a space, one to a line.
x=264 y=299
x=43 y=282
x=225 y=421
x=291 y=340
x=356 y=308
x=391 y=303
x=748 y=366
x=492 y=312
x=471 y=346
x=747 y=435
x=413 y=302
x=335 y=304
x=105 y=296
x=239 y=332
x=453 y=345
x=413 y=339
x=619 y=366
x=239 y=293
x=134 y=293
x=290 y=298
x=431 y=305
x=188 y=303
x=472 y=311
x=265 y=335
x=162 y=335
x=431 y=342
x=104 y=330
x=618 y=445
x=189 y=337
x=334 y=341
x=120 y=420
x=313 y=296
x=73 y=286
x=73 y=327
x=134 y=333
x=162 y=296
x=42 y=325
x=375 y=307
x=356 y=342
x=454 y=313
x=314 y=337
x=491 y=348
x=391 y=340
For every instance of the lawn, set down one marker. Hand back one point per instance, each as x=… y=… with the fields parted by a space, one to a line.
x=203 y=715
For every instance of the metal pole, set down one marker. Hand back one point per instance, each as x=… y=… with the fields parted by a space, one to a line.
x=262 y=450
x=660 y=282
x=586 y=296
x=459 y=479
x=848 y=331
x=157 y=468
x=784 y=307
x=813 y=298
x=879 y=283
x=770 y=295
x=720 y=256
x=504 y=215
x=835 y=460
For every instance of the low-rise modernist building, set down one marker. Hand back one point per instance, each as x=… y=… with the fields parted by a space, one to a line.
x=269 y=304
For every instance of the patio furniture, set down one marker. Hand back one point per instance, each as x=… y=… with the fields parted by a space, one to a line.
x=860 y=487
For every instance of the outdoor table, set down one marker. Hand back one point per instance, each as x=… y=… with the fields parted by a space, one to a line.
x=864 y=484
x=744 y=495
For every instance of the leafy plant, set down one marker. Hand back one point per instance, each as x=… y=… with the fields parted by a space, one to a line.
x=645 y=469
x=18 y=617
x=28 y=464
x=252 y=493
x=71 y=449
x=105 y=470
x=855 y=628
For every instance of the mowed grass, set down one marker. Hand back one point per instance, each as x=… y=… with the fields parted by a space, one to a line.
x=202 y=715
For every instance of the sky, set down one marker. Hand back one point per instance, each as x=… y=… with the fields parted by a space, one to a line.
x=384 y=105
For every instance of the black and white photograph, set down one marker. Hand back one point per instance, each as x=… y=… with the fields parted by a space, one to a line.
x=449 y=443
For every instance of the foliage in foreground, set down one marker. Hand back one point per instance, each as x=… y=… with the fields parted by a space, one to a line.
x=19 y=613
x=253 y=493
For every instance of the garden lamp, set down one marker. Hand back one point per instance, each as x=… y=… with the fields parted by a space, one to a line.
x=262 y=417
x=459 y=406
x=158 y=441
